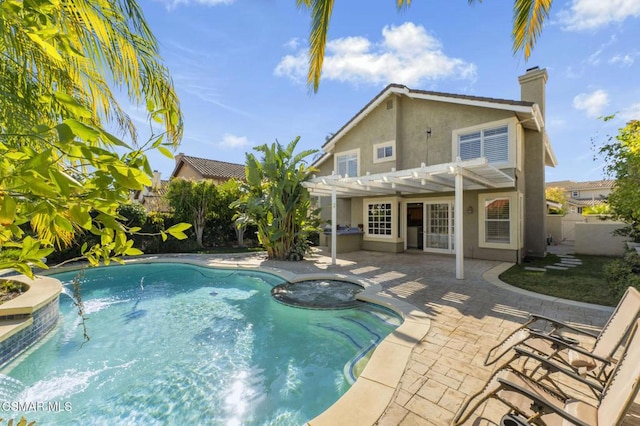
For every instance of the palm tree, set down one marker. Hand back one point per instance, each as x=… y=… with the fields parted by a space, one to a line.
x=528 y=17
x=81 y=48
x=61 y=65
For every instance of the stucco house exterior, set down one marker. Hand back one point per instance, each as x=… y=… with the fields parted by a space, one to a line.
x=441 y=172
x=579 y=196
x=152 y=197
x=584 y=194
x=187 y=167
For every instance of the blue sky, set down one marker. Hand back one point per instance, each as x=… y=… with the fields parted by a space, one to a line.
x=239 y=67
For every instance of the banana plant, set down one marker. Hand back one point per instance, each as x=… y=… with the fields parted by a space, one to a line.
x=274 y=199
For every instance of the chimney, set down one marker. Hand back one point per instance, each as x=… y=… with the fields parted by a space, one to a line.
x=533 y=86
x=155 y=182
x=179 y=157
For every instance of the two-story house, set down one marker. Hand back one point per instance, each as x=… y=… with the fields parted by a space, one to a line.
x=441 y=172
x=580 y=195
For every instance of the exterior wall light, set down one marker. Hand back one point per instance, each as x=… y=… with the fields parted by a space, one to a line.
x=470 y=210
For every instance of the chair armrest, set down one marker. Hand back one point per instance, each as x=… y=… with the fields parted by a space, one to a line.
x=563 y=344
x=533 y=318
x=545 y=408
x=553 y=367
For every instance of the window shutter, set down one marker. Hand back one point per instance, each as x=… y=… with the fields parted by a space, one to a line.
x=469 y=146
x=496 y=145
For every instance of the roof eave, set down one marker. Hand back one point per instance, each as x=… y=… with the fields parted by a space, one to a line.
x=550 y=156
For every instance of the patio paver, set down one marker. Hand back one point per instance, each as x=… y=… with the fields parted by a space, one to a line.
x=467 y=316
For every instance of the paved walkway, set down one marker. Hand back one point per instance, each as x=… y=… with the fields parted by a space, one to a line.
x=468 y=317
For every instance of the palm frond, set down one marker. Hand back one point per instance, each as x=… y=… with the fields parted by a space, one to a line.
x=320 y=17
x=528 y=19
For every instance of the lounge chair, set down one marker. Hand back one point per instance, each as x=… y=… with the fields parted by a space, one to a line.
x=540 y=404
x=550 y=342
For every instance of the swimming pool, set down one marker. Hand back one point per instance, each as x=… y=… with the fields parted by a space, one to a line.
x=174 y=343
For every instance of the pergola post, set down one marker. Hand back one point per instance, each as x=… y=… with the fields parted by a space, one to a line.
x=458 y=210
x=334 y=225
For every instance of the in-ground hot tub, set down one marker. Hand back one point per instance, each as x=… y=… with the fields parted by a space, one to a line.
x=318 y=294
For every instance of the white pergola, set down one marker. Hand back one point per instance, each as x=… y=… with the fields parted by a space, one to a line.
x=457 y=176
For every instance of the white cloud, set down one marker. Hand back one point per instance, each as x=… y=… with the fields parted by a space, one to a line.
x=623 y=60
x=594 y=58
x=233 y=141
x=591 y=103
x=293 y=44
x=630 y=113
x=407 y=54
x=590 y=14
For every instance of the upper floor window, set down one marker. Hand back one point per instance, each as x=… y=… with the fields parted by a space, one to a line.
x=575 y=194
x=385 y=151
x=346 y=163
x=497 y=141
x=490 y=143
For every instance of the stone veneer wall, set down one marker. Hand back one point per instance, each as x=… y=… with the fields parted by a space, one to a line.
x=44 y=319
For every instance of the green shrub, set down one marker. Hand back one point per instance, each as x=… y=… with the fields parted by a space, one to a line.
x=623 y=273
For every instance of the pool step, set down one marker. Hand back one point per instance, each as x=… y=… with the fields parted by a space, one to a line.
x=364 y=340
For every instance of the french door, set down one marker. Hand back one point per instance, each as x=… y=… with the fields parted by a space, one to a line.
x=438 y=227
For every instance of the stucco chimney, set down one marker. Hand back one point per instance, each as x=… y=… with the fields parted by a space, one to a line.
x=533 y=87
x=179 y=157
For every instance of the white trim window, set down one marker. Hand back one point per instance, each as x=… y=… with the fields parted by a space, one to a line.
x=490 y=143
x=347 y=163
x=379 y=219
x=498 y=221
x=494 y=141
x=385 y=151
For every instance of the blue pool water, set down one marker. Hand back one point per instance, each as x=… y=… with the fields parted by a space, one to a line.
x=182 y=344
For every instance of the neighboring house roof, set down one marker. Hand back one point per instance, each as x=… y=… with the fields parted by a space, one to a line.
x=585 y=202
x=528 y=113
x=553 y=204
x=153 y=198
x=570 y=185
x=211 y=169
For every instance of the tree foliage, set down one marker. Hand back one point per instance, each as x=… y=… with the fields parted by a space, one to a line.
x=622 y=157
x=274 y=199
x=193 y=202
x=61 y=172
x=558 y=195
x=228 y=193
x=528 y=19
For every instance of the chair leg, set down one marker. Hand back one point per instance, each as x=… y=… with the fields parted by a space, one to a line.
x=495 y=353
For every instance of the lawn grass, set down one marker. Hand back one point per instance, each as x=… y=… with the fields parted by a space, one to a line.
x=584 y=283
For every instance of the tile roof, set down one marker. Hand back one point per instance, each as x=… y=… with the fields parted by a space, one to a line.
x=210 y=169
x=586 y=202
x=570 y=185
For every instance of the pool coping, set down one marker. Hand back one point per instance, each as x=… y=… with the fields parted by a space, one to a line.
x=42 y=290
x=366 y=400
